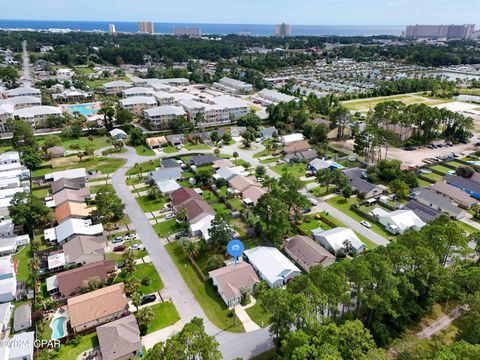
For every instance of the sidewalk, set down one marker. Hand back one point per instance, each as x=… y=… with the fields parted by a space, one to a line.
x=248 y=323
x=150 y=340
x=471 y=223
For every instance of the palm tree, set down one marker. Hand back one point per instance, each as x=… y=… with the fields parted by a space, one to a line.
x=34 y=267
x=189 y=247
x=324 y=177
x=235 y=156
x=136 y=299
x=109 y=227
x=129 y=259
x=145 y=316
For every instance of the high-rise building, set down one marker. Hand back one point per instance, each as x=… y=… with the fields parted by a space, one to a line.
x=448 y=32
x=111 y=29
x=185 y=31
x=145 y=27
x=283 y=30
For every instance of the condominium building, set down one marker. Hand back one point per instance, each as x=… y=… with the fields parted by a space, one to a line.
x=448 y=32
x=136 y=104
x=111 y=29
x=138 y=91
x=145 y=27
x=116 y=87
x=164 y=98
x=233 y=85
x=22 y=91
x=159 y=116
x=35 y=115
x=185 y=31
x=283 y=30
x=21 y=102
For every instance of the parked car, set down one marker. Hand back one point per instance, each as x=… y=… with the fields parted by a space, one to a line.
x=313 y=201
x=121 y=264
x=117 y=226
x=131 y=237
x=117 y=240
x=135 y=247
x=181 y=234
x=306 y=211
x=170 y=216
x=148 y=299
x=366 y=224
x=119 y=248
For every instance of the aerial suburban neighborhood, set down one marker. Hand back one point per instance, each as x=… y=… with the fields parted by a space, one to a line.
x=347 y=167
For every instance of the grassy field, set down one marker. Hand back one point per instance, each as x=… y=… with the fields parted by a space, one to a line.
x=101 y=164
x=441 y=168
x=408 y=99
x=433 y=176
x=73 y=349
x=23 y=256
x=144 y=167
x=344 y=206
x=190 y=146
x=149 y=205
x=296 y=170
x=209 y=300
x=144 y=271
x=469 y=91
x=165 y=315
x=98 y=142
x=142 y=150
x=166 y=228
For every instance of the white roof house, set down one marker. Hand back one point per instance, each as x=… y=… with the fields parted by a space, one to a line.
x=5 y=315
x=71 y=227
x=200 y=227
x=228 y=172
x=276 y=96
x=56 y=261
x=168 y=186
x=9 y=157
x=8 y=281
x=137 y=91
x=399 y=221
x=118 y=134
x=22 y=346
x=334 y=240
x=291 y=138
x=67 y=174
x=273 y=267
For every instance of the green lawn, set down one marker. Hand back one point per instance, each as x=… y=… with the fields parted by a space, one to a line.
x=98 y=142
x=211 y=303
x=116 y=256
x=270 y=160
x=72 y=349
x=297 y=170
x=309 y=226
x=261 y=154
x=149 y=205
x=143 y=271
x=241 y=162
x=208 y=195
x=433 y=176
x=441 y=168
x=190 y=146
x=258 y=315
x=220 y=208
x=344 y=206
x=102 y=164
x=144 y=167
x=408 y=99
x=41 y=193
x=165 y=315
x=322 y=190
x=237 y=204
x=267 y=355
x=169 y=149
x=22 y=257
x=134 y=180
x=166 y=228
x=144 y=150
x=423 y=183
x=466 y=227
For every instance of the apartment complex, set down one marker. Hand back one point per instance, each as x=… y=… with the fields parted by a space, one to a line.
x=233 y=86
x=111 y=29
x=160 y=116
x=283 y=30
x=185 y=31
x=448 y=32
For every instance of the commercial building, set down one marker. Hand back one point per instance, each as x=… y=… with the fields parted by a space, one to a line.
x=145 y=27
x=268 y=96
x=233 y=85
x=448 y=32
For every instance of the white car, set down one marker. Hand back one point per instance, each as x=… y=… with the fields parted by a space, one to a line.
x=170 y=216
x=313 y=201
x=135 y=247
x=366 y=224
x=131 y=237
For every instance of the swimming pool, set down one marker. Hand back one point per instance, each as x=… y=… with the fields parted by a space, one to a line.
x=84 y=109
x=59 y=326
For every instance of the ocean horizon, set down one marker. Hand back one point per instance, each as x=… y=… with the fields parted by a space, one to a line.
x=212 y=29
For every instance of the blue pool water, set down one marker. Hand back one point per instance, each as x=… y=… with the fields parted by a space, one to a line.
x=58 y=328
x=84 y=109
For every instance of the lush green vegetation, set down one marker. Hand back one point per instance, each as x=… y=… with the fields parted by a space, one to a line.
x=165 y=315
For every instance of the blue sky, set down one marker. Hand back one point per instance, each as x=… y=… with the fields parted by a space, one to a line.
x=315 y=12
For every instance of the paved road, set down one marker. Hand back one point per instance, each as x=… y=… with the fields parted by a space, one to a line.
x=232 y=345
x=26 y=79
x=440 y=324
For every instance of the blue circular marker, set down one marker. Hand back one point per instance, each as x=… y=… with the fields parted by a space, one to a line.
x=235 y=248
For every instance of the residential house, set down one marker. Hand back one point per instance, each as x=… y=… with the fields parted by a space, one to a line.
x=181 y=196
x=8 y=281
x=75 y=175
x=307 y=253
x=22 y=91
x=469 y=186
x=97 y=307
x=297 y=146
x=120 y=339
x=199 y=215
x=268 y=133
x=36 y=115
x=424 y=212
x=231 y=280
x=118 y=134
x=291 y=138
x=85 y=249
x=240 y=183
x=56 y=260
x=163 y=174
x=156 y=142
x=202 y=160
x=22 y=318
x=340 y=239
x=272 y=265
x=251 y=195
x=22 y=347
x=399 y=221
x=168 y=186
x=365 y=189
x=71 y=195
x=69 y=210
x=70 y=282
x=6 y=310
x=176 y=139
x=453 y=193
x=228 y=172
x=71 y=227
x=301 y=156
x=319 y=164
x=438 y=202
x=169 y=163
x=222 y=163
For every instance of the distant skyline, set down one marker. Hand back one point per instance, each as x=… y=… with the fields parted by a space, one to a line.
x=297 y=12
